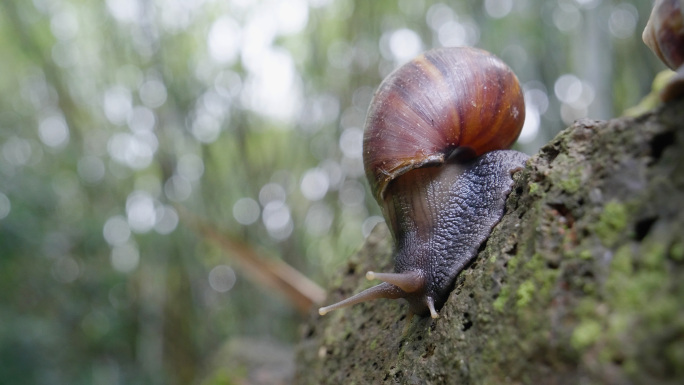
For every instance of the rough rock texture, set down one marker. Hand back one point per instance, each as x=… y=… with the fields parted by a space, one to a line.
x=582 y=281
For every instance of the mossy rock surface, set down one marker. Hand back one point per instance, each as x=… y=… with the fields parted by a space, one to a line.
x=582 y=281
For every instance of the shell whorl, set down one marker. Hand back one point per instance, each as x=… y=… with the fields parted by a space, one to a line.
x=443 y=100
x=664 y=32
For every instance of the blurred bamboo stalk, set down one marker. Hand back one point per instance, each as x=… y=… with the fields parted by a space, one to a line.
x=299 y=290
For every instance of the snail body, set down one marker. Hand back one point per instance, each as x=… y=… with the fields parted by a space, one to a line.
x=434 y=154
x=664 y=35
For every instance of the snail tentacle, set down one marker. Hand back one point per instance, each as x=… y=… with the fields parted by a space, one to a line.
x=383 y=290
x=409 y=282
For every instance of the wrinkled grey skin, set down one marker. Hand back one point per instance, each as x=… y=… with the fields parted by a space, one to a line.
x=440 y=218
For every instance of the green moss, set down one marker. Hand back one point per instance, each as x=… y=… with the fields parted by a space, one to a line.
x=612 y=221
x=662 y=312
x=622 y=261
x=638 y=290
x=525 y=293
x=567 y=174
x=586 y=308
x=501 y=300
x=223 y=377
x=585 y=334
x=544 y=278
x=571 y=182
x=653 y=254
x=618 y=324
x=373 y=344
x=675 y=354
x=639 y=293
x=483 y=317
x=535 y=263
x=677 y=251
x=512 y=264
x=589 y=288
x=534 y=187
x=586 y=254
x=630 y=366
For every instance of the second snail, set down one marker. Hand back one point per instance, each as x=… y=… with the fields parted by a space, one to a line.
x=436 y=157
x=664 y=35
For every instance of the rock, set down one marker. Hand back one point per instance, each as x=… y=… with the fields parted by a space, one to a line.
x=582 y=281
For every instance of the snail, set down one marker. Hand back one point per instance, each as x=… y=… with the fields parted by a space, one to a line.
x=434 y=155
x=664 y=35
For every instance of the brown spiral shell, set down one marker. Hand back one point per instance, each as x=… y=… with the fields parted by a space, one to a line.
x=664 y=32
x=467 y=97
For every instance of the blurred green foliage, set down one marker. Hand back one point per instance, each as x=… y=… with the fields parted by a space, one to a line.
x=247 y=113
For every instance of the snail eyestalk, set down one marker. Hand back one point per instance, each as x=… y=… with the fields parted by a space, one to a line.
x=409 y=282
x=383 y=290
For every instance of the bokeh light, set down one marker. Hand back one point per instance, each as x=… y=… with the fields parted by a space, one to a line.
x=65 y=269
x=54 y=132
x=116 y=230
x=117 y=103
x=271 y=192
x=623 y=21
x=498 y=8
x=167 y=219
x=351 y=142
x=16 y=151
x=125 y=257
x=246 y=211
x=224 y=40
x=278 y=220
x=5 y=206
x=318 y=219
x=177 y=188
x=190 y=167
x=91 y=169
x=140 y=212
x=222 y=278
x=315 y=184
x=153 y=93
